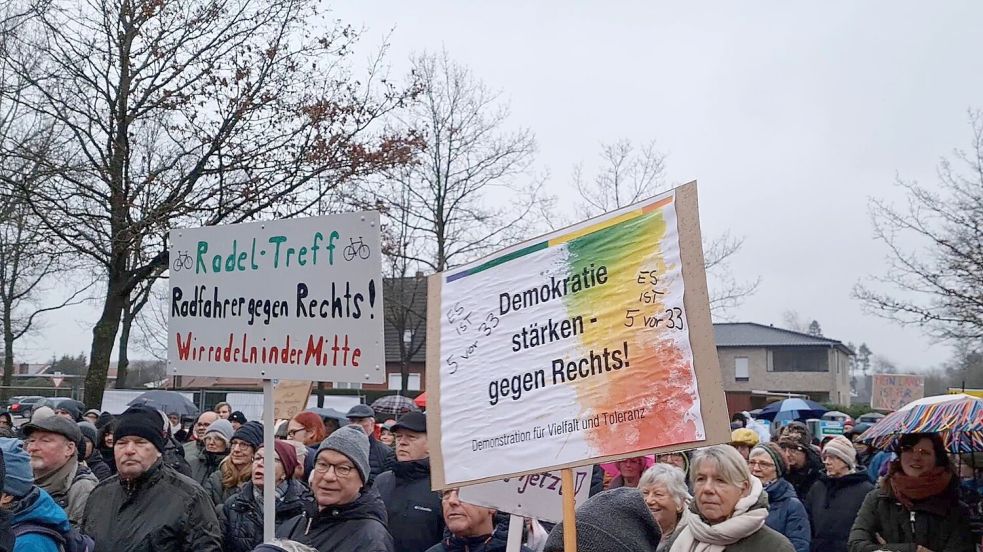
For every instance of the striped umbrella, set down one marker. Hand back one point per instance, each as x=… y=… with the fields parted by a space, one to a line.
x=958 y=419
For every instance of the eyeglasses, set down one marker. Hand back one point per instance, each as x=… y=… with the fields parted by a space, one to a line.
x=760 y=464
x=341 y=470
x=260 y=459
x=240 y=444
x=292 y=432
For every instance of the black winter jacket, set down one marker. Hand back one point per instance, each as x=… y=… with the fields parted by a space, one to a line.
x=833 y=503
x=382 y=458
x=356 y=527
x=161 y=511
x=488 y=543
x=805 y=478
x=416 y=519
x=99 y=467
x=243 y=525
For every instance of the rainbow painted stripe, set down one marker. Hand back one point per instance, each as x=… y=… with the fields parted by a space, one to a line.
x=635 y=213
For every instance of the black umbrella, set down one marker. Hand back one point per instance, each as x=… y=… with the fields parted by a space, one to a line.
x=167 y=402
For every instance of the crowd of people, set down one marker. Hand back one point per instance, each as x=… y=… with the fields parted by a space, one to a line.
x=141 y=481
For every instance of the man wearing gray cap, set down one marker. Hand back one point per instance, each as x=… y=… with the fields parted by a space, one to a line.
x=53 y=446
x=349 y=516
x=381 y=457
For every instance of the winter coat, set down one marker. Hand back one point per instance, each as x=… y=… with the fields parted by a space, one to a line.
x=243 y=525
x=416 y=518
x=174 y=457
x=216 y=491
x=832 y=504
x=765 y=539
x=382 y=458
x=70 y=486
x=667 y=540
x=205 y=465
x=488 y=543
x=192 y=452
x=99 y=467
x=359 y=526
x=939 y=523
x=38 y=508
x=160 y=511
x=787 y=515
x=109 y=458
x=803 y=479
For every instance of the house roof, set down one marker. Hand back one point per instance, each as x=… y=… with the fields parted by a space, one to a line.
x=751 y=334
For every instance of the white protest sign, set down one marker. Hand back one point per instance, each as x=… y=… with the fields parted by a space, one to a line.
x=589 y=344
x=536 y=496
x=292 y=299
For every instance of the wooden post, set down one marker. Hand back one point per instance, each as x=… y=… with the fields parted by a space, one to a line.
x=514 y=542
x=269 y=465
x=569 y=511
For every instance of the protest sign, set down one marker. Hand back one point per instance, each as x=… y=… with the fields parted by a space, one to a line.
x=290 y=397
x=589 y=344
x=536 y=496
x=890 y=392
x=970 y=392
x=297 y=298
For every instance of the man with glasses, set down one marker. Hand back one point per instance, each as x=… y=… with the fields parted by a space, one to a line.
x=194 y=449
x=416 y=520
x=804 y=464
x=349 y=517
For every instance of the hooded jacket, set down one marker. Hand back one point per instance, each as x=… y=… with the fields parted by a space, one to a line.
x=787 y=515
x=939 y=523
x=356 y=527
x=416 y=518
x=70 y=486
x=160 y=511
x=832 y=504
x=486 y=543
x=38 y=508
x=243 y=525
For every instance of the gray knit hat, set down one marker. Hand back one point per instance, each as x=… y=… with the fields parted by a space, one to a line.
x=223 y=428
x=613 y=521
x=353 y=443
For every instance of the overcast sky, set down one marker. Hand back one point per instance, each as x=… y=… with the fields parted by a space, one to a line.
x=789 y=115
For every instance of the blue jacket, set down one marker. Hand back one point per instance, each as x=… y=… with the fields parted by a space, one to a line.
x=38 y=508
x=787 y=515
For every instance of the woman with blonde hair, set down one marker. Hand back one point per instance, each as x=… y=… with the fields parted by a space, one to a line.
x=663 y=487
x=729 y=508
x=236 y=468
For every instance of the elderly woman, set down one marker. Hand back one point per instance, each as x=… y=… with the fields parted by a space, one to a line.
x=236 y=468
x=218 y=440
x=916 y=506
x=833 y=502
x=242 y=528
x=786 y=514
x=729 y=509
x=664 y=488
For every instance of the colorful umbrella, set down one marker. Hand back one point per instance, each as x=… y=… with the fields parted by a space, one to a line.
x=393 y=405
x=958 y=419
x=792 y=409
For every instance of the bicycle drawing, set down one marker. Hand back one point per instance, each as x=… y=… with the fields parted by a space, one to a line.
x=356 y=248
x=182 y=261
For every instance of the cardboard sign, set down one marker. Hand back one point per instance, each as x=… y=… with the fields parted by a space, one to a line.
x=536 y=496
x=298 y=299
x=890 y=392
x=290 y=397
x=587 y=345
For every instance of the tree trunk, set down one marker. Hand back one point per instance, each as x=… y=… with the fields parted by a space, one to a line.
x=103 y=339
x=124 y=340
x=404 y=372
x=320 y=394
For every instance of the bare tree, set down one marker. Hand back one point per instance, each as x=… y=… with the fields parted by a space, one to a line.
x=628 y=174
x=935 y=243
x=190 y=112
x=29 y=264
x=469 y=190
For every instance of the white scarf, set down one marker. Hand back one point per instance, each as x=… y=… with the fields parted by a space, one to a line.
x=698 y=536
